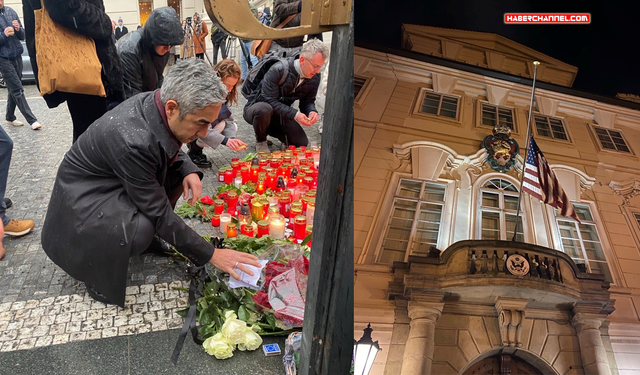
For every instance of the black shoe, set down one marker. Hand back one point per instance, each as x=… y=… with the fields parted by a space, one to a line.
x=96 y=295
x=7 y=202
x=200 y=160
x=159 y=247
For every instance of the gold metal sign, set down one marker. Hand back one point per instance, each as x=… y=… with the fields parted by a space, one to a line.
x=318 y=16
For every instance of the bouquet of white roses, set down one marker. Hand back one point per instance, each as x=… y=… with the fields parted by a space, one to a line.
x=234 y=333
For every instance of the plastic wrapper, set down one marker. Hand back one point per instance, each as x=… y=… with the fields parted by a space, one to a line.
x=291 y=348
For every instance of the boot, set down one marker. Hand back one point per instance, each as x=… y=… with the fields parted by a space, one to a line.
x=197 y=156
x=262 y=146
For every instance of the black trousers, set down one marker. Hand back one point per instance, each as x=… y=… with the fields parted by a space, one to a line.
x=265 y=122
x=222 y=46
x=200 y=56
x=84 y=109
x=12 y=74
x=145 y=236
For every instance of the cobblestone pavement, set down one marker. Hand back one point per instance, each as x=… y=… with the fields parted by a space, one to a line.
x=31 y=286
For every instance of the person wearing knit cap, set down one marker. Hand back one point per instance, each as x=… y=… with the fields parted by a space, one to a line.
x=121 y=29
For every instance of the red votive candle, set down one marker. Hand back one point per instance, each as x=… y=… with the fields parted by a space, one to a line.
x=247 y=229
x=232 y=230
x=292 y=214
x=254 y=174
x=221 y=174
x=215 y=220
x=300 y=227
x=285 y=205
x=263 y=228
x=232 y=202
x=228 y=176
x=218 y=206
x=244 y=172
x=260 y=188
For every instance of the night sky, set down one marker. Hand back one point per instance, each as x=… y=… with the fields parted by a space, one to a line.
x=606 y=52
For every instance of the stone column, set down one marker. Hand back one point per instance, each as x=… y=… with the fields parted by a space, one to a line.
x=418 y=352
x=587 y=320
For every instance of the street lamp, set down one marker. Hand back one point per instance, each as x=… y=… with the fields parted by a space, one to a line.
x=365 y=351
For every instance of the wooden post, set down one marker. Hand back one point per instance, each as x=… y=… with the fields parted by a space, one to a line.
x=327 y=336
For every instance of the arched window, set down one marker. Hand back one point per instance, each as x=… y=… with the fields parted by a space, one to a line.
x=497 y=211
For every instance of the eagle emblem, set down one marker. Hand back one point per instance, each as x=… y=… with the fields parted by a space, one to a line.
x=517 y=265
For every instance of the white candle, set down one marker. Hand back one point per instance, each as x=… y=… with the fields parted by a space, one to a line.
x=224 y=220
x=237 y=182
x=276 y=226
x=311 y=209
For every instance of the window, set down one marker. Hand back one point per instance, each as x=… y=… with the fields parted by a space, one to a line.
x=611 y=139
x=439 y=105
x=637 y=216
x=493 y=115
x=498 y=205
x=581 y=241
x=414 y=223
x=358 y=84
x=550 y=127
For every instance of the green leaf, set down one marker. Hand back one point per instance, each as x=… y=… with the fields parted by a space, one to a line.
x=307 y=239
x=271 y=320
x=183 y=313
x=243 y=314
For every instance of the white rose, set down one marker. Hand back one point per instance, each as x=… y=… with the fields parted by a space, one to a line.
x=233 y=330
x=252 y=340
x=218 y=346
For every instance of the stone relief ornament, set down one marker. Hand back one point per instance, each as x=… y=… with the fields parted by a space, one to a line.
x=501 y=150
x=517 y=265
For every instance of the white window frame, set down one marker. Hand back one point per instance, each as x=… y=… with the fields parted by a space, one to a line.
x=514 y=129
x=499 y=210
x=552 y=138
x=614 y=266
x=417 y=108
x=384 y=228
x=616 y=151
x=359 y=100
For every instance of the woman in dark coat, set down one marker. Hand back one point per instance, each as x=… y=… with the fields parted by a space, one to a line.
x=145 y=52
x=88 y=18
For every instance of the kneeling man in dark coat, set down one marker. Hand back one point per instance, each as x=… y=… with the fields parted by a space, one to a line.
x=118 y=185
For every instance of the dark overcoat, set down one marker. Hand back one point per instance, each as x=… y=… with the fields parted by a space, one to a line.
x=115 y=171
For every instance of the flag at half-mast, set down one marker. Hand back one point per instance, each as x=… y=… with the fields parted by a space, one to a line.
x=540 y=181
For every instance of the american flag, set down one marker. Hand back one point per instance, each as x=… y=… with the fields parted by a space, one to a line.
x=540 y=181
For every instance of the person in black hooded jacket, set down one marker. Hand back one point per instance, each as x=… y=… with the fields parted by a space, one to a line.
x=88 y=18
x=145 y=52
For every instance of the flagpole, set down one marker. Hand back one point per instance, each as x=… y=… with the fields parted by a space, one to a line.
x=526 y=149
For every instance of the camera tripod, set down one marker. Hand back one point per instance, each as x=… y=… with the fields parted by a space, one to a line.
x=189 y=28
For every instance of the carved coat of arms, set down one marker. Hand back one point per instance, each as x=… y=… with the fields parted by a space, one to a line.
x=517 y=265
x=501 y=150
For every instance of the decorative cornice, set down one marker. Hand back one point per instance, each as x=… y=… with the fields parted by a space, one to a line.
x=626 y=190
x=586 y=181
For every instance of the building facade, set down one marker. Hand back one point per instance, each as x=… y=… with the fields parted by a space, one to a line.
x=436 y=273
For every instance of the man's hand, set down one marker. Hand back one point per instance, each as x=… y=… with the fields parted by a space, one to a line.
x=192 y=182
x=9 y=31
x=302 y=119
x=236 y=144
x=313 y=117
x=16 y=25
x=226 y=259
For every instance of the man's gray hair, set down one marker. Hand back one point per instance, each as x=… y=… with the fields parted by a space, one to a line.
x=314 y=46
x=194 y=85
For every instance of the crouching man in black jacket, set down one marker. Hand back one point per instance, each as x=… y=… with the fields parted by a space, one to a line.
x=269 y=109
x=118 y=185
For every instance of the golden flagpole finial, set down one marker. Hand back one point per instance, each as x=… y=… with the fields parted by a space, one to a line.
x=536 y=63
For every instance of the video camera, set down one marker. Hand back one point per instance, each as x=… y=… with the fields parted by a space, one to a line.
x=189 y=21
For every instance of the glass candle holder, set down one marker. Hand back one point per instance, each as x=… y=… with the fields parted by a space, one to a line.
x=272 y=181
x=292 y=215
x=285 y=205
x=263 y=228
x=228 y=176
x=254 y=174
x=300 y=227
x=232 y=202
x=276 y=226
x=261 y=187
x=236 y=166
x=221 y=174
x=225 y=219
x=215 y=220
x=300 y=191
x=311 y=209
x=247 y=229
x=232 y=230
x=218 y=206
x=309 y=231
x=237 y=182
x=257 y=210
x=245 y=173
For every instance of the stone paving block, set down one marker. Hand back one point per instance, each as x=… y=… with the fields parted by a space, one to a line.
x=158 y=325
x=24 y=333
x=150 y=317
x=40 y=331
x=21 y=314
x=93 y=335
x=94 y=314
x=110 y=332
x=52 y=310
x=77 y=336
x=16 y=324
x=5 y=306
x=126 y=330
x=132 y=290
x=73 y=327
x=18 y=305
x=7 y=315
x=63 y=318
x=44 y=341
x=175 y=323
x=27 y=344
x=104 y=323
x=88 y=325
x=47 y=319
x=37 y=312
x=95 y=305
x=10 y=346
x=140 y=308
x=120 y=320
x=31 y=323
x=170 y=304
x=135 y=319
x=155 y=306
x=78 y=316
x=83 y=306
x=146 y=289
x=61 y=299
x=143 y=328
x=67 y=308
x=8 y=335
x=57 y=329
x=3 y=325
x=143 y=297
